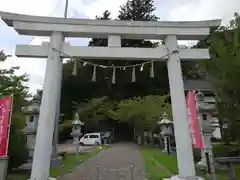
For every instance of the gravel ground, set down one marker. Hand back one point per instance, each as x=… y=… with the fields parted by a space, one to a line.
x=121 y=161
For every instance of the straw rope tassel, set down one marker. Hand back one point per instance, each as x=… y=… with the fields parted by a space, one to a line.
x=94 y=74
x=152 y=70
x=74 y=72
x=133 y=75
x=114 y=76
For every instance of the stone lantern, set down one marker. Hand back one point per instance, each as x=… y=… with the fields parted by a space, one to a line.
x=166 y=127
x=76 y=131
x=207 y=132
x=205 y=109
x=32 y=115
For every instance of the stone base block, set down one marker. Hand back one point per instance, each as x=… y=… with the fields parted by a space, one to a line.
x=177 y=177
x=3 y=167
x=50 y=178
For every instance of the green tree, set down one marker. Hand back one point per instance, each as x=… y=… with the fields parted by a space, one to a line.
x=138 y=10
x=18 y=151
x=10 y=83
x=80 y=87
x=224 y=70
x=99 y=41
x=37 y=96
x=2 y=56
x=95 y=112
x=142 y=112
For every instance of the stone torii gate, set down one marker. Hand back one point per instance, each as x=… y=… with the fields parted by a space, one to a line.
x=58 y=28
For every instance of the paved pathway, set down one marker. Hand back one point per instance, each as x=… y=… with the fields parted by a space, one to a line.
x=114 y=164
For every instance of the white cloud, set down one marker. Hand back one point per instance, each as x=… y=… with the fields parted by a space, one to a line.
x=168 y=10
x=35 y=67
x=99 y=6
x=32 y=7
x=205 y=9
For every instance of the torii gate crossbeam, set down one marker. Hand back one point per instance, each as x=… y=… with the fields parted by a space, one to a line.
x=58 y=28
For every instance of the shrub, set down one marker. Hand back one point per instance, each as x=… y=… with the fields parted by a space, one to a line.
x=65 y=133
x=222 y=150
x=197 y=155
x=213 y=139
x=18 y=151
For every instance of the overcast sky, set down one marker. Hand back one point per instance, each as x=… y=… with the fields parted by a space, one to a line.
x=177 y=10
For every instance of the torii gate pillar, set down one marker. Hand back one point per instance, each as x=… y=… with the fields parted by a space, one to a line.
x=52 y=85
x=179 y=111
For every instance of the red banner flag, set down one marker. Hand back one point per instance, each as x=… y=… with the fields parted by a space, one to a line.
x=193 y=120
x=5 y=108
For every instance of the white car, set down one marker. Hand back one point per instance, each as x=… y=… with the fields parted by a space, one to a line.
x=91 y=139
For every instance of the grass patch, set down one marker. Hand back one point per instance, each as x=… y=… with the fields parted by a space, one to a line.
x=68 y=163
x=170 y=162
x=155 y=172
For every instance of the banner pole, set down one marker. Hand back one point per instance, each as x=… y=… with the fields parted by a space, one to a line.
x=9 y=124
